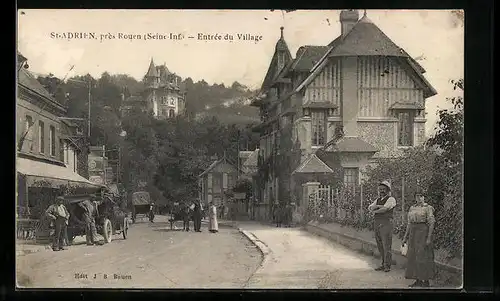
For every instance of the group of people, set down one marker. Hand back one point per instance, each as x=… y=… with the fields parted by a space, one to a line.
x=418 y=235
x=195 y=212
x=59 y=217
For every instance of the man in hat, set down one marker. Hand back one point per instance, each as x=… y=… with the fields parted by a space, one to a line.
x=59 y=215
x=382 y=208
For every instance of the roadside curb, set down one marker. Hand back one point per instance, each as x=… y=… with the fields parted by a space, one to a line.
x=445 y=273
x=261 y=246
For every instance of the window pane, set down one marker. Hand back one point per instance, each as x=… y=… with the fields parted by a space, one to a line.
x=41 y=137
x=52 y=135
x=351 y=177
x=318 y=127
x=405 y=129
x=28 y=139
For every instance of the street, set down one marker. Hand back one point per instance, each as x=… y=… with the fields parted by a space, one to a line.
x=301 y=260
x=152 y=256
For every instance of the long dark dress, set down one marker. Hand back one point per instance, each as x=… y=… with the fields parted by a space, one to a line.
x=420 y=256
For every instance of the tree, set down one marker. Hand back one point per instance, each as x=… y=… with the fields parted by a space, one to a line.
x=446 y=188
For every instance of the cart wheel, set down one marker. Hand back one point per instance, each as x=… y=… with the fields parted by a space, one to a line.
x=125 y=228
x=107 y=230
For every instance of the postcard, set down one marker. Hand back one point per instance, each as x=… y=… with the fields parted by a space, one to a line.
x=247 y=149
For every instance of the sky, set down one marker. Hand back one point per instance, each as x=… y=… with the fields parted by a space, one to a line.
x=434 y=37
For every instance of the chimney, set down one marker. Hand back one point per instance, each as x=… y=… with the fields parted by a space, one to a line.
x=348 y=18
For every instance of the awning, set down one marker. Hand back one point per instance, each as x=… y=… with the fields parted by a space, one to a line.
x=406 y=106
x=36 y=171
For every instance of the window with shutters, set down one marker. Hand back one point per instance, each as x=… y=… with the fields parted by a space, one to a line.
x=405 y=128
x=318 y=123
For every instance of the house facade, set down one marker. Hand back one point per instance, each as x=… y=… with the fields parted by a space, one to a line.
x=217 y=181
x=163 y=94
x=338 y=107
x=46 y=160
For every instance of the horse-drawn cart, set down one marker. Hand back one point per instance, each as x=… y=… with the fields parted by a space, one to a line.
x=110 y=219
x=141 y=202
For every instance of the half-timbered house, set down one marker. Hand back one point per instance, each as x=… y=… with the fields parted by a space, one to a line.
x=336 y=107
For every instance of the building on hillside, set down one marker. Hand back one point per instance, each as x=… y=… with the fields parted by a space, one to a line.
x=41 y=135
x=340 y=106
x=163 y=94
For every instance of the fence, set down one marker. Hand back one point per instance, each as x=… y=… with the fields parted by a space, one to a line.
x=348 y=205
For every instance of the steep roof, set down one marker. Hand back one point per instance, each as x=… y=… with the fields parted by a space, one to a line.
x=215 y=164
x=28 y=81
x=307 y=57
x=313 y=164
x=281 y=46
x=366 y=39
x=152 y=72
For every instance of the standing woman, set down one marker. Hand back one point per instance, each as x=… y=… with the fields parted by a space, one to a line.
x=420 y=256
x=213 y=226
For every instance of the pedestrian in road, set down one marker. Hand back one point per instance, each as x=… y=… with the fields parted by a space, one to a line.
x=151 y=212
x=59 y=216
x=89 y=211
x=213 y=226
x=197 y=215
x=186 y=216
x=382 y=208
x=420 y=264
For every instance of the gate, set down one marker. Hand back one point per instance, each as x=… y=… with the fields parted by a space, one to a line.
x=322 y=200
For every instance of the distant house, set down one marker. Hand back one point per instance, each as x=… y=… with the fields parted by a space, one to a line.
x=216 y=181
x=339 y=106
x=163 y=94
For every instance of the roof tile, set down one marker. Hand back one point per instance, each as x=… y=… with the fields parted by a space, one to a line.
x=353 y=144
